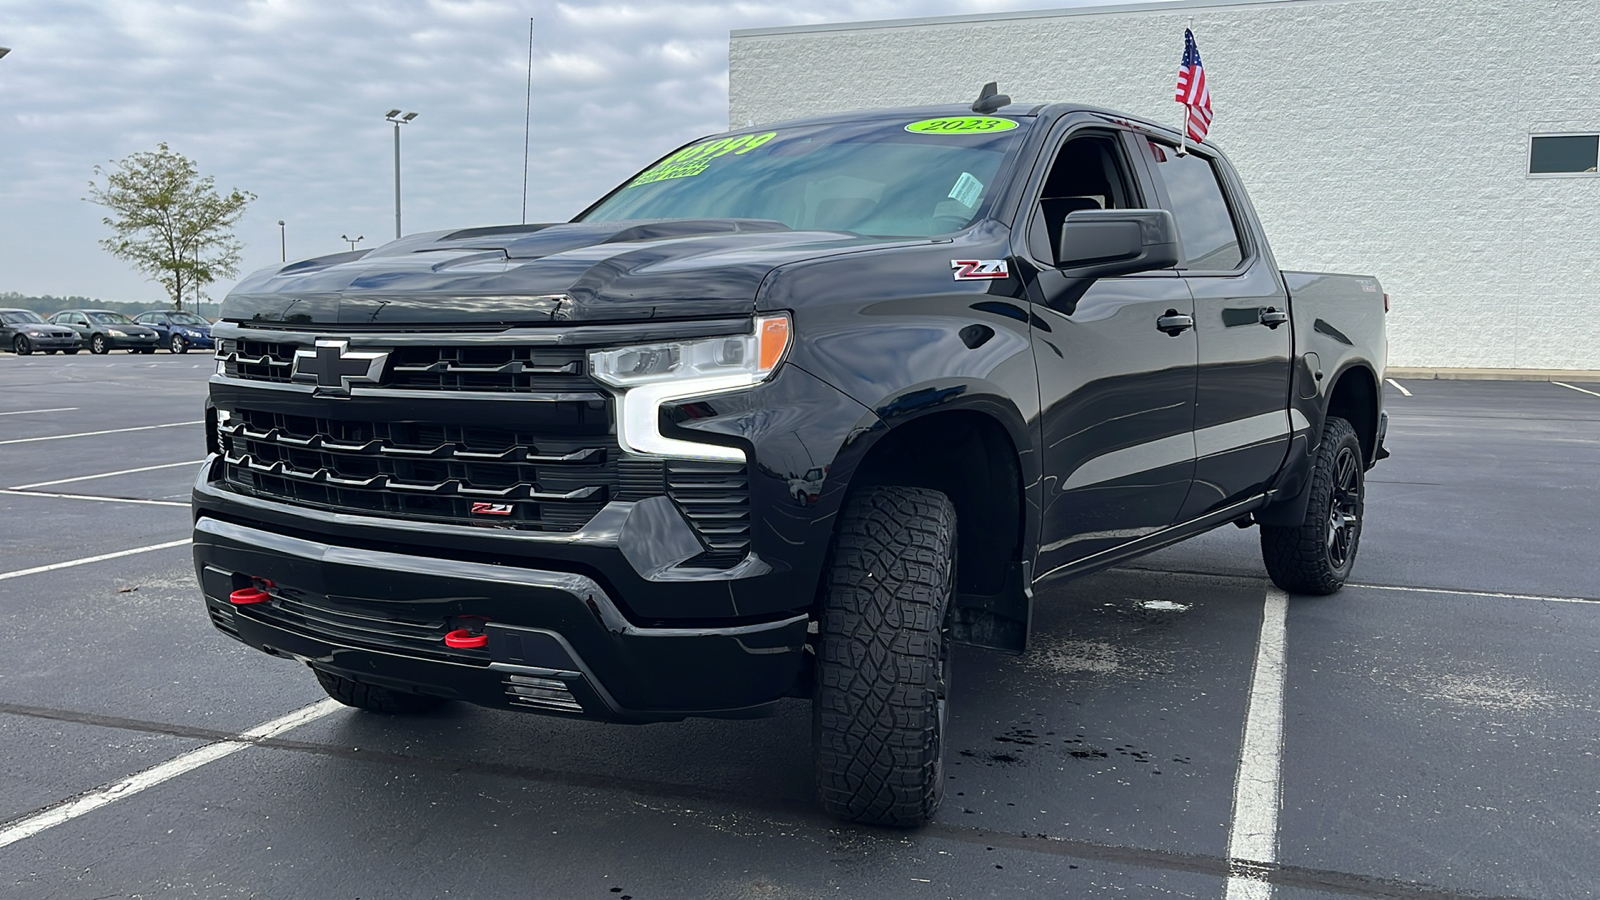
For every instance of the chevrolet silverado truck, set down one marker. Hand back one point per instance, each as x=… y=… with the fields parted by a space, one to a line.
x=784 y=415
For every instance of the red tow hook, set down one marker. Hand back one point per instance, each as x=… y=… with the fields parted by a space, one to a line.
x=462 y=639
x=466 y=638
x=247 y=596
x=252 y=594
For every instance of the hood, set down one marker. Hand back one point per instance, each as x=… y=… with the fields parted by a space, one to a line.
x=539 y=274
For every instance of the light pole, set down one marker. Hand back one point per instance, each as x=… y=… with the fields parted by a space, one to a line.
x=283 y=243
x=395 y=116
x=353 y=240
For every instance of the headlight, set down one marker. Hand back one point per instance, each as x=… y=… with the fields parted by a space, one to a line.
x=116 y=332
x=646 y=375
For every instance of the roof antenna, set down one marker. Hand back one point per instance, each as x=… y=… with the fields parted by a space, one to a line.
x=990 y=99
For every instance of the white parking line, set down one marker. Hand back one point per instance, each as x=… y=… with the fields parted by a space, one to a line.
x=1574 y=387
x=68 y=810
x=40 y=484
x=90 y=559
x=1253 y=833
x=1396 y=385
x=29 y=412
x=17 y=493
x=1466 y=593
x=58 y=437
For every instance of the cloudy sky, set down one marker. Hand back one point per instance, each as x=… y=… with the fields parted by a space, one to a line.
x=285 y=98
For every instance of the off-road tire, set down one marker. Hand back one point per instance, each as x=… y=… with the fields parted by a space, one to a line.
x=373 y=698
x=1316 y=556
x=98 y=345
x=882 y=668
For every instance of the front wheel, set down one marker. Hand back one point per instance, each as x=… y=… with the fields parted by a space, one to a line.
x=178 y=344
x=1316 y=556
x=883 y=664
x=98 y=345
x=21 y=345
x=372 y=698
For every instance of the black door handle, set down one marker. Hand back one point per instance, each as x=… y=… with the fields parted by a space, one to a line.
x=1272 y=317
x=1174 y=323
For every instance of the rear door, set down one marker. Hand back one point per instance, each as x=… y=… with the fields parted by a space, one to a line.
x=1241 y=325
x=1117 y=392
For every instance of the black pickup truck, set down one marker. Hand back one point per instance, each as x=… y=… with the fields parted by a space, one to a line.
x=782 y=416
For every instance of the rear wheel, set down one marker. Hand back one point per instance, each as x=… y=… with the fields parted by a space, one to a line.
x=372 y=698
x=98 y=345
x=178 y=344
x=883 y=665
x=22 y=345
x=1316 y=556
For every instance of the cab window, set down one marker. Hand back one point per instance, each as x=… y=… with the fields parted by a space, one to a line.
x=1205 y=223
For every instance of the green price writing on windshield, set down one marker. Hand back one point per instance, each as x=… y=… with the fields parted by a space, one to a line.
x=962 y=125
x=693 y=160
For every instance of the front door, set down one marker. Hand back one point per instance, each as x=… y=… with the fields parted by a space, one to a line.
x=1116 y=391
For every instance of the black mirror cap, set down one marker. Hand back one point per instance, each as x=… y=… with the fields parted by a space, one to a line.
x=1100 y=243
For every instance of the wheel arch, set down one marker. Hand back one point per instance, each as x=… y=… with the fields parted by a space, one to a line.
x=1354 y=398
x=971 y=455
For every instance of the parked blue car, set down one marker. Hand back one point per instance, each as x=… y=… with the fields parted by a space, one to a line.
x=179 y=330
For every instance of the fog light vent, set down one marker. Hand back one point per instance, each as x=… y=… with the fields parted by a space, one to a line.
x=541 y=693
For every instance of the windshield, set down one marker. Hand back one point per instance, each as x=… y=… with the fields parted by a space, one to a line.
x=109 y=318
x=186 y=318
x=21 y=317
x=885 y=178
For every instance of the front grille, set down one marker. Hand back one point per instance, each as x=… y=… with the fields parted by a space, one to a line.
x=502 y=368
x=424 y=470
x=553 y=473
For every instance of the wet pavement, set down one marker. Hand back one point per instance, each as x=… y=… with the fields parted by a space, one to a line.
x=1439 y=720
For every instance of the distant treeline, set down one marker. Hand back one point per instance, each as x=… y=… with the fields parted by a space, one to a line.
x=47 y=304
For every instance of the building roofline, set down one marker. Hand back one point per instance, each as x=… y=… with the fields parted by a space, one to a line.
x=1148 y=7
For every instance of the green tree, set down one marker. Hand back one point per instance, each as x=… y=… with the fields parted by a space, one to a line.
x=169 y=221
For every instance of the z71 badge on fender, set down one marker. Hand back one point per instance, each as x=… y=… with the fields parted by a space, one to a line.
x=979 y=269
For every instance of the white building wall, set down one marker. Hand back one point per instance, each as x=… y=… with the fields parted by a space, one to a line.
x=1387 y=137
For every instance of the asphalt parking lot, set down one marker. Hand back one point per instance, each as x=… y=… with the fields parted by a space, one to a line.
x=1430 y=732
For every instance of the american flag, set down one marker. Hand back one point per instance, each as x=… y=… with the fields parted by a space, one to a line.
x=1192 y=90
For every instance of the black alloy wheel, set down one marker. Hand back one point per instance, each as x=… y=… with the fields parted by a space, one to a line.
x=98 y=345
x=22 y=345
x=1344 y=515
x=178 y=344
x=1316 y=556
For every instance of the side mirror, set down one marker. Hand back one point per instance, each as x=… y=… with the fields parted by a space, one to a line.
x=1099 y=243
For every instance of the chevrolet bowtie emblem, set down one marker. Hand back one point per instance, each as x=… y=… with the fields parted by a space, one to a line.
x=334 y=367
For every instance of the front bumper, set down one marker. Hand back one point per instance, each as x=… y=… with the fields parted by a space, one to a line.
x=54 y=341
x=557 y=641
x=133 y=342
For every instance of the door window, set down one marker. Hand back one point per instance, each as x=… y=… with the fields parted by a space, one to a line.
x=1088 y=173
x=1205 y=224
